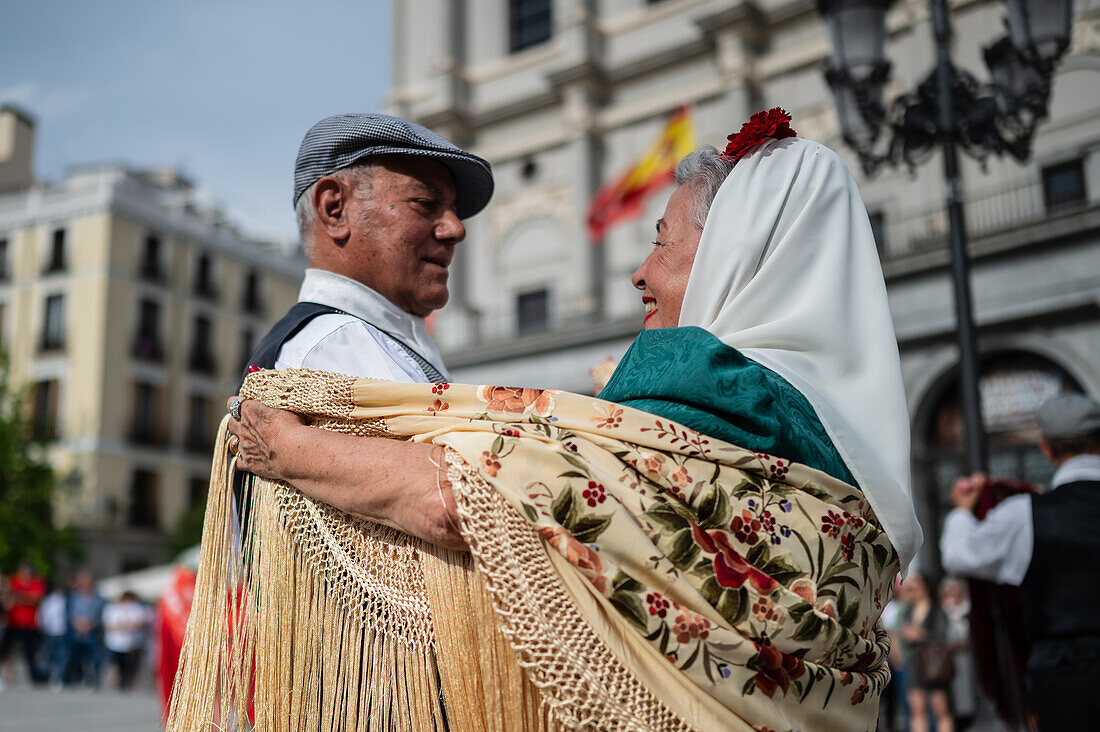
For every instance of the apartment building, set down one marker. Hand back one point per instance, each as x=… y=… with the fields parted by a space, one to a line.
x=127 y=311
x=561 y=96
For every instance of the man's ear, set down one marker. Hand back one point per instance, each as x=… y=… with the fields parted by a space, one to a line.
x=331 y=197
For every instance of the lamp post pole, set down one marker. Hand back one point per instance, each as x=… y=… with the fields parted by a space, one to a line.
x=976 y=460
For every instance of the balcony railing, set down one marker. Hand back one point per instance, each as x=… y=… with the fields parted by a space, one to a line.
x=988 y=211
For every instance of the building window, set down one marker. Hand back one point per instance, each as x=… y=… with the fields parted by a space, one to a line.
x=532 y=311
x=145 y=428
x=53 y=323
x=529 y=23
x=250 y=299
x=204 y=277
x=143 y=499
x=248 y=344
x=200 y=437
x=1064 y=185
x=197 y=488
x=55 y=262
x=44 y=419
x=147 y=343
x=150 y=260
x=202 y=355
x=878 y=229
x=5 y=270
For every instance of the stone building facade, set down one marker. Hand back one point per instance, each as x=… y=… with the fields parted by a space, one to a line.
x=563 y=95
x=126 y=312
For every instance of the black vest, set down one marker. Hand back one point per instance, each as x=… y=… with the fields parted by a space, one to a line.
x=297 y=318
x=1061 y=590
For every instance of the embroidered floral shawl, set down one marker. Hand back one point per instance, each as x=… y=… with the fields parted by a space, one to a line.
x=641 y=574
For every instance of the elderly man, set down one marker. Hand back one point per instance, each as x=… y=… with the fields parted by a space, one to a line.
x=380 y=203
x=1049 y=546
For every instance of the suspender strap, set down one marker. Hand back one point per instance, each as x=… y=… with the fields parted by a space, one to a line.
x=299 y=316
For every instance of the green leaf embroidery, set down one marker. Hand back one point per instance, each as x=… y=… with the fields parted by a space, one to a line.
x=625 y=582
x=562 y=508
x=683 y=549
x=665 y=515
x=588 y=528
x=630 y=606
x=734 y=604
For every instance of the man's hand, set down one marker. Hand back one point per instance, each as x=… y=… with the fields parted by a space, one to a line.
x=967 y=490
x=258 y=435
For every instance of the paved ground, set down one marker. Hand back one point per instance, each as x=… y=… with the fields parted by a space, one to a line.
x=24 y=709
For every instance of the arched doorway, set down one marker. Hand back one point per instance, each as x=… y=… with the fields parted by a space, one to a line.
x=1013 y=385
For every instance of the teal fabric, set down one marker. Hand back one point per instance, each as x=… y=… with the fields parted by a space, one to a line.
x=689 y=376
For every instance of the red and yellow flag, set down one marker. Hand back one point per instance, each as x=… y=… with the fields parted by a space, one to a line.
x=624 y=198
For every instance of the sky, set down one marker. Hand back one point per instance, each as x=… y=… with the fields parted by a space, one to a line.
x=221 y=90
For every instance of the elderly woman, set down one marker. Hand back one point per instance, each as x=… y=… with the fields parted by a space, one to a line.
x=707 y=545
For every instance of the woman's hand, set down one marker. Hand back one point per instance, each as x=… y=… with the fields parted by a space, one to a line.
x=391 y=482
x=261 y=432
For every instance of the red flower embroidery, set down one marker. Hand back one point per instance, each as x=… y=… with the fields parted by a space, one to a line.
x=491 y=462
x=775 y=123
x=775 y=670
x=440 y=388
x=594 y=493
x=730 y=568
x=847 y=546
x=658 y=605
x=831 y=524
x=745 y=528
x=689 y=626
x=517 y=400
x=581 y=556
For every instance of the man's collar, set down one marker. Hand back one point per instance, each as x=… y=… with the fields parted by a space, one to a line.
x=1077 y=468
x=355 y=298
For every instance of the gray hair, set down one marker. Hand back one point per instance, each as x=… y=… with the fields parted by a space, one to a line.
x=704 y=171
x=360 y=176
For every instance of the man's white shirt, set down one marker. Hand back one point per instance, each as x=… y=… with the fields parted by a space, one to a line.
x=998 y=548
x=361 y=343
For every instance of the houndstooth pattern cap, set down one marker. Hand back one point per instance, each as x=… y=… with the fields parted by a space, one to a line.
x=344 y=139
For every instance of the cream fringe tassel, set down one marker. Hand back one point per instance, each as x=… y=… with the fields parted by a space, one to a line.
x=307 y=619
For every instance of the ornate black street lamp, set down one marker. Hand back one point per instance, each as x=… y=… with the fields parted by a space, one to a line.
x=950 y=109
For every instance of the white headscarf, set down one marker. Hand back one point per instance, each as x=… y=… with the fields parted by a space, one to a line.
x=787 y=273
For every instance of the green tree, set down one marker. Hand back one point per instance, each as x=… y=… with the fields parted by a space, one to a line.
x=27 y=484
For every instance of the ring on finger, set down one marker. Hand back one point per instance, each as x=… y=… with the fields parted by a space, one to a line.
x=235 y=408
x=234 y=445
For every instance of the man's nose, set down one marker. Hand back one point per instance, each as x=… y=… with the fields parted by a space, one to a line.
x=450 y=228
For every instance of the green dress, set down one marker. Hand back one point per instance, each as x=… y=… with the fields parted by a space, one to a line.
x=689 y=376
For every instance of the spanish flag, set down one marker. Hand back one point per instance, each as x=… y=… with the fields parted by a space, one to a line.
x=624 y=198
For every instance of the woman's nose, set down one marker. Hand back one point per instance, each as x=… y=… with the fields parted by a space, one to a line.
x=638 y=278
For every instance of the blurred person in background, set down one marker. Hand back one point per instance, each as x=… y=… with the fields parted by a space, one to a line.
x=125 y=628
x=25 y=590
x=928 y=670
x=955 y=603
x=85 y=631
x=1048 y=545
x=53 y=624
x=894 y=709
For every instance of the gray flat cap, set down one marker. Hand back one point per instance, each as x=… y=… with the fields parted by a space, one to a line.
x=345 y=139
x=1069 y=416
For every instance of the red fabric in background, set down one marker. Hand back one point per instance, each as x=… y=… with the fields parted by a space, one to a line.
x=997 y=633
x=173 y=609
x=22 y=614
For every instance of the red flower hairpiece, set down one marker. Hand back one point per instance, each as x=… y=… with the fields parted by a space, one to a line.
x=772 y=124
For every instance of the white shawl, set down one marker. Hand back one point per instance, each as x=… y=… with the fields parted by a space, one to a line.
x=787 y=273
